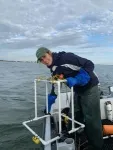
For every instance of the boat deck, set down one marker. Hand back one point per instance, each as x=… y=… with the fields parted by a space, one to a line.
x=82 y=143
x=108 y=144
x=81 y=140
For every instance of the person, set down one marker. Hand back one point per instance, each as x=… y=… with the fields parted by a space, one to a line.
x=79 y=73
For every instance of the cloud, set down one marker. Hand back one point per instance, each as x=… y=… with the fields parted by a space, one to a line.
x=55 y=23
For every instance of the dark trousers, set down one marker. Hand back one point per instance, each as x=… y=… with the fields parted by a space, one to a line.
x=87 y=109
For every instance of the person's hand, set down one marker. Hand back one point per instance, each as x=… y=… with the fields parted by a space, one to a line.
x=51 y=100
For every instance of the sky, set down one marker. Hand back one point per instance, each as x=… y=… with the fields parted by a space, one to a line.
x=84 y=27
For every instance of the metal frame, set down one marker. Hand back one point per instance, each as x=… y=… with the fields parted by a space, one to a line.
x=58 y=82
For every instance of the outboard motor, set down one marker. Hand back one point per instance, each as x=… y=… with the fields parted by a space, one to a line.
x=110 y=90
x=109 y=110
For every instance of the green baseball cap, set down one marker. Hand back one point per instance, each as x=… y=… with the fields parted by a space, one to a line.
x=41 y=52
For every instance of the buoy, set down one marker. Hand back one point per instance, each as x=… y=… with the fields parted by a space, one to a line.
x=109 y=110
x=35 y=140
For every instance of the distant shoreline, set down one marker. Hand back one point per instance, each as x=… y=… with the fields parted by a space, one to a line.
x=17 y=61
x=35 y=62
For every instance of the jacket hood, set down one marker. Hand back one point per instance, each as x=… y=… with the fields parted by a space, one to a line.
x=56 y=57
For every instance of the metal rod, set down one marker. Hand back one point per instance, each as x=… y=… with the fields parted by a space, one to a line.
x=51 y=81
x=46 y=96
x=72 y=106
x=35 y=86
x=73 y=130
x=36 y=118
x=59 y=109
x=43 y=142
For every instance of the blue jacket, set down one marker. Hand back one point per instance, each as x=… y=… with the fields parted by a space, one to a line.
x=69 y=64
